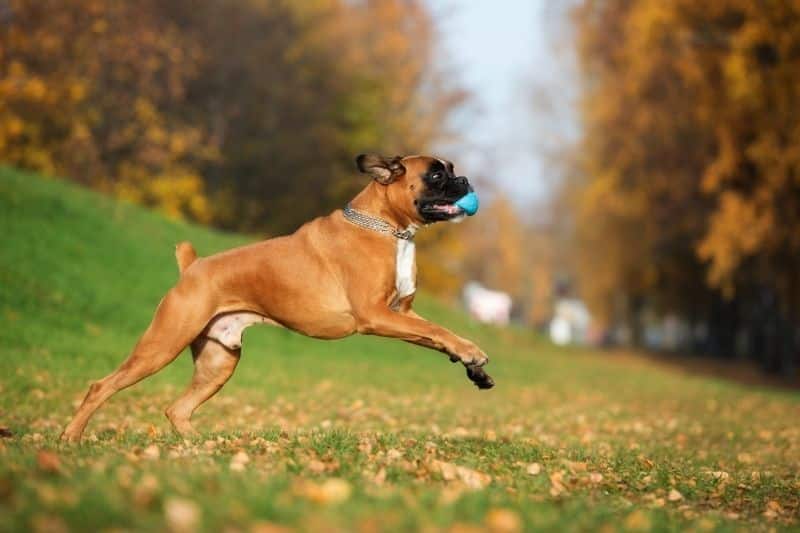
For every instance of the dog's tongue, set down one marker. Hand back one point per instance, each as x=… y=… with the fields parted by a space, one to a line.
x=469 y=203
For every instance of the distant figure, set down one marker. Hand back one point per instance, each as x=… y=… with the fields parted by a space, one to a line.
x=570 y=322
x=487 y=306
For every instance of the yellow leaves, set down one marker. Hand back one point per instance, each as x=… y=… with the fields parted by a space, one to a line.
x=48 y=462
x=34 y=89
x=179 y=192
x=596 y=478
x=145 y=492
x=239 y=461
x=453 y=473
x=707 y=99
x=48 y=524
x=181 y=515
x=745 y=458
x=501 y=520
x=533 y=469
x=331 y=491
x=638 y=520
x=557 y=487
x=674 y=495
x=738 y=229
x=152 y=452
x=774 y=510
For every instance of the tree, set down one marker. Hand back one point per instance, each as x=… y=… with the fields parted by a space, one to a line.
x=685 y=192
x=245 y=114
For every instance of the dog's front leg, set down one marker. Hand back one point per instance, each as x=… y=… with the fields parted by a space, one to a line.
x=412 y=328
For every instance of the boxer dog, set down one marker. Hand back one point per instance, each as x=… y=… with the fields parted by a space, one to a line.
x=352 y=271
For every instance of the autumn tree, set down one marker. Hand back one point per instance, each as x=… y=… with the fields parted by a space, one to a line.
x=685 y=190
x=245 y=114
x=89 y=89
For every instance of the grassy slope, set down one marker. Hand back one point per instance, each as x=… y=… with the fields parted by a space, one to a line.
x=79 y=278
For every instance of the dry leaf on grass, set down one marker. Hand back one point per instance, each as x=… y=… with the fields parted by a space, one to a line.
x=470 y=478
x=181 y=515
x=268 y=527
x=557 y=487
x=239 y=461
x=533 y=469
x=152 y=452
x=48 y=524
x=674 y=496
x=145 y=492
x=503 y=521
x=637 y=521
x=330 y=492
x=48 y=462
x=773 y=510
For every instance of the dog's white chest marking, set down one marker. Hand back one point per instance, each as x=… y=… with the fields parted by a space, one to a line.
x=405 y=280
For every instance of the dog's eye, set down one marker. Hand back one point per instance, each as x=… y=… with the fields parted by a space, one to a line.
x=436 y=176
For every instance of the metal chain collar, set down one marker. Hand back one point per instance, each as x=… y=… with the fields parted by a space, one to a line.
x=375 y=224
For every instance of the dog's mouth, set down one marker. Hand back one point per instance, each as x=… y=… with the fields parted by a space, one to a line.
x=445 y=208
x=439 y=210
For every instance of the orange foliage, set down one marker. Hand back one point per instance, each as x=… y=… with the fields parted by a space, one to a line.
x=686 y=177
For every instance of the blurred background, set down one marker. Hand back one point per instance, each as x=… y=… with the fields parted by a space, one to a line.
x=638 y=162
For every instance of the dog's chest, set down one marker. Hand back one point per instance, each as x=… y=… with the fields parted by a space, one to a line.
x=405 y=269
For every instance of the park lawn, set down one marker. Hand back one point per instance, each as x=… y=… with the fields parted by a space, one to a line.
x=363 y=434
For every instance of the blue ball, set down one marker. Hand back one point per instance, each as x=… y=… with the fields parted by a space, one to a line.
x=469 y=203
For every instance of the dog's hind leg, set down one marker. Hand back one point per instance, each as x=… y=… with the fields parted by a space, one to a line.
x=180 y=317
x=213 y=366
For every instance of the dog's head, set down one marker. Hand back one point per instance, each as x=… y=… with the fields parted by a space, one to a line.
x=425 y=188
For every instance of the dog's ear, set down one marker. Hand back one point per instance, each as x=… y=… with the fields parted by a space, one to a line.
x=382 y=170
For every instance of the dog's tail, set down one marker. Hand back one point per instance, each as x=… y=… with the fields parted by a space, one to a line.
x=185 y=254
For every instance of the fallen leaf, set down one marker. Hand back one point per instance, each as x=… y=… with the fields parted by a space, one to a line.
x=152 y=452
x=330 y=492
x=268 y=527
x=575 y=466
x=503 y=521
x=239 y=461
x=316 y=466
x=48 y=462
x=181 y=515
x=557 y=487
x=773 y=510
x=48 y=524
x=145 y=492
x=744 y=458
x=637 y=521
x=451 y=472
x=533 y=469
x=393 y=454
x=674 y=496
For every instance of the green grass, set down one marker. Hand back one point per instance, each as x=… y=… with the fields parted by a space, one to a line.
x=360 y=434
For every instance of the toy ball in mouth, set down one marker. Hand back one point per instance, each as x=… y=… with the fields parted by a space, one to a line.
x=468 y=203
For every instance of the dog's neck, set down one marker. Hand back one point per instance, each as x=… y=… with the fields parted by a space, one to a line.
x=373 y=200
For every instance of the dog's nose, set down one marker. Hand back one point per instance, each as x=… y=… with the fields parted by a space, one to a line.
x=462 y=180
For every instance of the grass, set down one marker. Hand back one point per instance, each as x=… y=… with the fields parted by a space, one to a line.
x=362 y=434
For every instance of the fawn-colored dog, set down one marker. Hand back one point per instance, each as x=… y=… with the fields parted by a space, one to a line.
x=352 y=271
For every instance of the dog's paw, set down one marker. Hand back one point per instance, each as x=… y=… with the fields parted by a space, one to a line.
x=69 y=438
x=479 y=377
x=473 y=356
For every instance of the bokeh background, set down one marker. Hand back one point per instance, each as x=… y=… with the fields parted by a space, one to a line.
x=633 y=274
x=638 y=161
